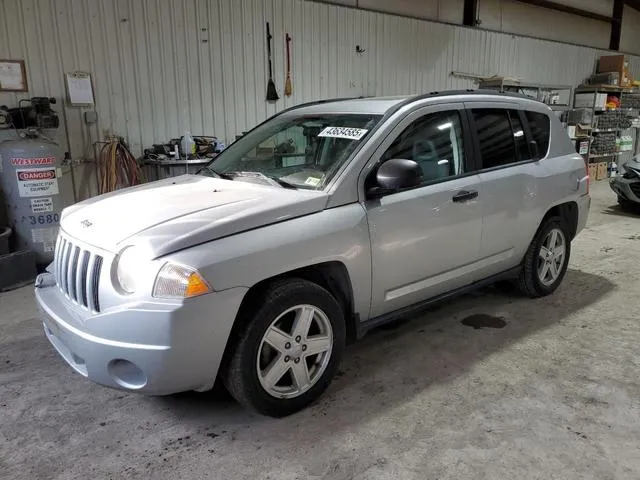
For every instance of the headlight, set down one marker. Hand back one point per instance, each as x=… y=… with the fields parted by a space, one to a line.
x=178 y=281
x=129 y=264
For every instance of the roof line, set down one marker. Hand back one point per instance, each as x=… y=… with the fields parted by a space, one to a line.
x=414 y=98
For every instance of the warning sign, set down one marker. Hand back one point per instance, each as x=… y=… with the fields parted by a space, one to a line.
x=35 y=183
x=31 y=162
x=44 y=235
x=42 y=205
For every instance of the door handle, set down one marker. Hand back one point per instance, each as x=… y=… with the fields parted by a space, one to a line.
x=465 y=195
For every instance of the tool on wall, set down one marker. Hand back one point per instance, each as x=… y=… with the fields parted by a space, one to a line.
x=288 y=87
x=272 y=94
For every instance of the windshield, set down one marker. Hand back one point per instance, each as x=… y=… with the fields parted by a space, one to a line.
x=292 y=151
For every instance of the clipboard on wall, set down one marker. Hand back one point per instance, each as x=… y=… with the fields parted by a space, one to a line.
x=79 y=89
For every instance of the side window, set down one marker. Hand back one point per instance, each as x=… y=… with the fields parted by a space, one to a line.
x=540 y=126
x=435 y=143
x=518 y=136
x=497 y=145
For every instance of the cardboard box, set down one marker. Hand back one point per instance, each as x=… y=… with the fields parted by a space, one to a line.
x=593 y=171
x=611 y=63
x=618 y=64
x=602 y=171
x=591 y=100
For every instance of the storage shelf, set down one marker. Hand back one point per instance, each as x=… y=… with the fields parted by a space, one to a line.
x=504 y=82
x=599 y=130
x=602 y=155
x=605 y=89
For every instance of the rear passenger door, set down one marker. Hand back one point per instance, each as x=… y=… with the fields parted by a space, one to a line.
x=508 y=172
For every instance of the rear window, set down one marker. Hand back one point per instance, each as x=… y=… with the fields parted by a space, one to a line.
x=540 y=126
x=497 y=146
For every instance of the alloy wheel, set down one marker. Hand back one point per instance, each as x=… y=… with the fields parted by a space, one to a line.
x=294 y=351
x=551 y=257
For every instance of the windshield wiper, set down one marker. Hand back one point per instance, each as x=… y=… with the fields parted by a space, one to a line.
x=284 y=183
x=222 y=175
x=234 y=175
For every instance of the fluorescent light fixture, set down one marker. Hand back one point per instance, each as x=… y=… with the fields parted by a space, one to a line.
x=442 y=162
x=445 y=126
x=519 y=133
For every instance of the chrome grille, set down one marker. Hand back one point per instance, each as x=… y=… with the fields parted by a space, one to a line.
x=77 y=273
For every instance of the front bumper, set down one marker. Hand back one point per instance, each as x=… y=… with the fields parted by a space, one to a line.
x=155 y=347
x=629 y=189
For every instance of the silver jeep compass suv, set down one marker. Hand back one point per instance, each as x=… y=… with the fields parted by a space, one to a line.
x=322 y=222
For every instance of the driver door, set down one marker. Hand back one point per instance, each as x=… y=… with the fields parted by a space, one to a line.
x=425 y=241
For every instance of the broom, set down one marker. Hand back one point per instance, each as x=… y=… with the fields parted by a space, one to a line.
x=272 y=94
x=288 y=87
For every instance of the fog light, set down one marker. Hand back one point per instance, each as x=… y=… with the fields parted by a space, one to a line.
x=127 y=374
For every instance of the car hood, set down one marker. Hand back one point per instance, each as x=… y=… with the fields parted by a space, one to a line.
x=180 y=212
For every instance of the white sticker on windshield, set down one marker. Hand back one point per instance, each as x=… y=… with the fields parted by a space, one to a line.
x=344 y=132
x=312 y=181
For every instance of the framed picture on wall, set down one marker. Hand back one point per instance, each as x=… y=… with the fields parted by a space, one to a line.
x=13 y=76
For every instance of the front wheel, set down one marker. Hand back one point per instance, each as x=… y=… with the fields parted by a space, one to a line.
x=288 y=351
x=546 y=260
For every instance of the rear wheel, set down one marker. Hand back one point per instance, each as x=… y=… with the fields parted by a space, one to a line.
x=546 y=261
x=289 y=349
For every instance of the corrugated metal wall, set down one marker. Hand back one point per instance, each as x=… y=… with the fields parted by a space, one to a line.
x=161 y=67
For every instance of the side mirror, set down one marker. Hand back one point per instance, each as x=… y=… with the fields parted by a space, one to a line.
x=533 y=148
x=396 y=174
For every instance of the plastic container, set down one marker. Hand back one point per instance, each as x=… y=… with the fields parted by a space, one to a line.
x=5 y=233
x=188 y=145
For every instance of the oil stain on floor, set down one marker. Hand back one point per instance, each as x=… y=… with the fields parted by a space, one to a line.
x=482 y=320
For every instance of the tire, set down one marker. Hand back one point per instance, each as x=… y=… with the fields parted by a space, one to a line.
x=530 y=282
x=627 y=205
x=252 y=355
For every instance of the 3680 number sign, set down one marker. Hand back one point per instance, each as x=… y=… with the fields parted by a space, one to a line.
x=44 y=219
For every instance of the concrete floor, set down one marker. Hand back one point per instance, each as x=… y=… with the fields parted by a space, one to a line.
x=553 y=394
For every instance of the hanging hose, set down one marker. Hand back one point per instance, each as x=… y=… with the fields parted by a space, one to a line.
x=117 y=167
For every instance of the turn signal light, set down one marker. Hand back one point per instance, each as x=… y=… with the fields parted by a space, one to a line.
x=178 y=281
x=196 y=285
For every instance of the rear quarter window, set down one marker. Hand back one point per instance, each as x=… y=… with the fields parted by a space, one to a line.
x=540 y=127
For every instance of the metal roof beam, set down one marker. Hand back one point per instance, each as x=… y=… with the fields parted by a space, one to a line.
x=567 y=9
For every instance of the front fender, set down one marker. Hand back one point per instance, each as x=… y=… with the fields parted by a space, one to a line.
x=335 y=235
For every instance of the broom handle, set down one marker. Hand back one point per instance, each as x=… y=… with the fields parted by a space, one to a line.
x=269 y=37
x=288 y=40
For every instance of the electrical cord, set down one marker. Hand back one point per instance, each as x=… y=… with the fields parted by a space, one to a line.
x=117 y=167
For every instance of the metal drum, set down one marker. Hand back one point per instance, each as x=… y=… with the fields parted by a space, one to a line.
x=29 y=182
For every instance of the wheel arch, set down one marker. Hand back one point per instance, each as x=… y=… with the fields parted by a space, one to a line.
x=568 y=211
x=333 y=276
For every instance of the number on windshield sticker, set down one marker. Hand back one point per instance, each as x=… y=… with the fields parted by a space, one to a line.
x=343 y=132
